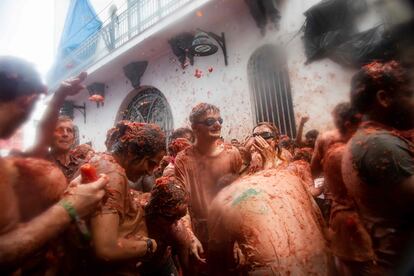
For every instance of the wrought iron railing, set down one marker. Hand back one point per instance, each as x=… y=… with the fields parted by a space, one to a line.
x=138 y=17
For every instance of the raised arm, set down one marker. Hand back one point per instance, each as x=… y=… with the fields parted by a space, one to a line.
x=44 y=132
x=299 y=134
x=316 y=161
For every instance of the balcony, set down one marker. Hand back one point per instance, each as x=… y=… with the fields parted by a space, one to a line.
x=139 y=16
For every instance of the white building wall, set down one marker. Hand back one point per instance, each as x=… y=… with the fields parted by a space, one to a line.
x=316 y=88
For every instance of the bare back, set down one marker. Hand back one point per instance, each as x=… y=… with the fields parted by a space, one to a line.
x=275 y=221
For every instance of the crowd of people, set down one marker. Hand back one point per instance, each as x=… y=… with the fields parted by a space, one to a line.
x=193 y=204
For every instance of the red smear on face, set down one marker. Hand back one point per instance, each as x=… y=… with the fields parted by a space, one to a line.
x=88 y=173
x=210 y=69
x=198 y=73
x=97 y=98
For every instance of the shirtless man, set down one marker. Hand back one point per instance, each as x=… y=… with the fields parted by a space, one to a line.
x=274 y=220
x=348 y=240
x=200 y=166
x=20 y=86
x=322 y=144
x=345 y=122
x=378 y=164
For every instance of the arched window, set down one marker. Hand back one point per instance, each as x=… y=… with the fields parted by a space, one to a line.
x=270 y=89
x=150 y=106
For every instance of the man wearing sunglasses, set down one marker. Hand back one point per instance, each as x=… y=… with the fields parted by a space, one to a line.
x=199 y=168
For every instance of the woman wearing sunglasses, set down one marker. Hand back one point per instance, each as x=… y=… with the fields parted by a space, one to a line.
x=265 y=141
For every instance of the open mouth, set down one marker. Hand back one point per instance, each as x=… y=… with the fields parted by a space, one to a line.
x=215 y=129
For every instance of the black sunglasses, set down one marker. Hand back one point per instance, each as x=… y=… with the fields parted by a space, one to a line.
x=264 y=135
x=211 y=121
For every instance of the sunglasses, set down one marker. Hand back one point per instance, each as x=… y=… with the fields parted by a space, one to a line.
x=264 y=135
x=211 y=121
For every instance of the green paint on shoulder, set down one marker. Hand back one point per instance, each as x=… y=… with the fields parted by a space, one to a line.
x=248 y=193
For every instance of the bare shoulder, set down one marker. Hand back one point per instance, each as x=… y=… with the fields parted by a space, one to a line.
x=331 y=136
x=105 y=163
x=326 y=139
x=45 y=178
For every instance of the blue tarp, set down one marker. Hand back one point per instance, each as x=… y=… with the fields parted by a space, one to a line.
x=81 y=22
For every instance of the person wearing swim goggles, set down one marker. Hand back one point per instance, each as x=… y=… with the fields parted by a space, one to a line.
x=199 y=168
x=211 y=121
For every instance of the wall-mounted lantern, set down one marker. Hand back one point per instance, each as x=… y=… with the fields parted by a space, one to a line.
x=180 y=45
x=68 y=109
x=203 y=44
x=134 y=71
x=97 y=93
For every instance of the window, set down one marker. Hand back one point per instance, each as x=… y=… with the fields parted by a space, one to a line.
x=270 y=89
x=150 y=106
